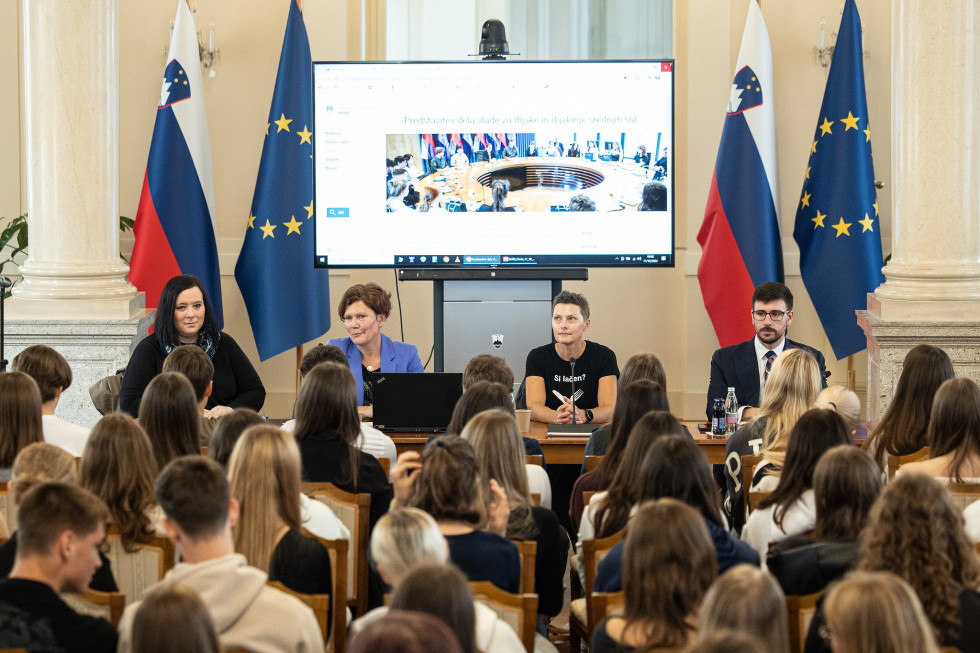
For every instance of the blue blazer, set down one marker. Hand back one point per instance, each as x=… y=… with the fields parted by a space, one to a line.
x=395 y=357
x=737 y=366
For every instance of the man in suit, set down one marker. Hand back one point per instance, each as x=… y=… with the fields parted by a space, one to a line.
x=745 y=366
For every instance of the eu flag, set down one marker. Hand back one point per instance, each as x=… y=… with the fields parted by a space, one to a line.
x=837 y=225
x=287 y=299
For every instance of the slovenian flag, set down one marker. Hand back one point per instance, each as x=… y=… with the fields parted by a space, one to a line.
x=175 y=221
x=740 y=244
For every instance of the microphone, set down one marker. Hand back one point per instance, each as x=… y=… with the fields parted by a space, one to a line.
x=826 y=374
x=571 y=361
x=5 y=282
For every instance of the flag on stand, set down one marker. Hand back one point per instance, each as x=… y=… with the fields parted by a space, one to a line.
x=287 y=298
x=739 y=237
x=837 y=226
x=175 y=220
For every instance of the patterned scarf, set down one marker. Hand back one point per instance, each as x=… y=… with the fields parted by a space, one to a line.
x=206 y=340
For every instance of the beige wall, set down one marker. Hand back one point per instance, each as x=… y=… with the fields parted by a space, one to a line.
x=650 y=310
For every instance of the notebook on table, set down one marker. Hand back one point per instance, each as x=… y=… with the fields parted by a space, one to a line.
x=415 y=402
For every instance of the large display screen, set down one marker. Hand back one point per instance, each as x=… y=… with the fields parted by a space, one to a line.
x=523 y=164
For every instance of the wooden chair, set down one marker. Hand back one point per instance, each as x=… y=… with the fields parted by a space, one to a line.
x=894 y=462
x=799 y=611
x=337 y=640
x=7 y=507
x=604 y=603
x=749 y=464
x=587 y=496
x=319 y=603
x=108 y=605
x=592 y=462
x=529 y=551
x=964 y=493
x=535 y=498
x=136 y=571
x=518 y=610
x=755 y=498
x=534 y=459
x=580 y=622
x=385 y=465
x=204 y=451
x=354 y=511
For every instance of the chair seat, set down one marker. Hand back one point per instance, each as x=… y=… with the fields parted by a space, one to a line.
x=578 y=610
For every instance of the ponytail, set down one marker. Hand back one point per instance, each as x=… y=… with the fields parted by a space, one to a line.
x=500 y=188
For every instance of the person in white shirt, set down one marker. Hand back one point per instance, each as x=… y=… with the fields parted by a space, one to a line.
x=459 y=160
x=51 y=372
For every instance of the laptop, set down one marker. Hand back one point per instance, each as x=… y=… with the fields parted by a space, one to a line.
x=415 y=402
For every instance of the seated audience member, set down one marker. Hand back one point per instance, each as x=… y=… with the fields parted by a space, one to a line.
x=227 y=432
x=654 y=197
x=953 y=434
x=727 y=641
x=845 y=403
x=118 y=467
x=660 y=166
x=20 y=418
x=408 y=537
x=327 y=429
x=168 y=415
x=429 y=203
x=573 y=151
x=185 y=317
x=531 y=150
x=846 y=483
x=793 y=385
x=264 y=473
x=479 y=396
x=174 y=619
x=438 y=162
x=440 y=590
x=408 y=162
x=510 y=151
x=484 y=367
x=916 y=532
x=412 y=198
x=668 y=553
x=499 y=191
x=445 y=483
x=193 y=363
x=51 y=372
x=903 y=429
x=60 y=530
x=398 y=188
x=404 y=631
x=617 y=152
x=676 y=468
x=370 y=439
x=194 y=494
x=877 y=611
x=581 y=202
x=632 y=402
x=390 y=166
x=642 y=156
x=548 y=369
x=746 y=599
x=791 y=508
x=43 y=463
x=459 y=159
x=496 y=441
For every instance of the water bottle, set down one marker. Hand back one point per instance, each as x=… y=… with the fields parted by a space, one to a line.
x=731 y=411
x=718 y=418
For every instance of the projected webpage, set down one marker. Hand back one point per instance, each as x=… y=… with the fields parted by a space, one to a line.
x=522 y=164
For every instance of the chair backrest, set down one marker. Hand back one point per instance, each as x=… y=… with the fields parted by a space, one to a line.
x=753 y=499
x=385 y=465
x=353 y=511
x=894 y=462
x=108 y=605
x=529 y=551
x=587 y=496
x=518 y=610
x=319 y=603
x=593 y=551
x=337 y=641
x=135 y=572
x=799 y=611
x=749 y=464
x=604 y=603
x=204 y=451
x=535 y=498
x=592 y=463
x=7 y=507
x=964 y=493
x=534 y=459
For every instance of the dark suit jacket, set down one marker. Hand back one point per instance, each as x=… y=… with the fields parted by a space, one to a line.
x=737 y=366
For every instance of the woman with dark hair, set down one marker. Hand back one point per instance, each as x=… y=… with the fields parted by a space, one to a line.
x=364 y=309
x=168 y=415
x=953 y=434
x=676 y=468
x=499 y=190
x=654 y=197
x=668 y=565
x=327 y=427
x=227 y=431
x=184 y=316
x=404 y=631
x=904 y=427
x=846 y=483
x=480 y=396
x=440 y=590
x=20 y=417
x=790 y=509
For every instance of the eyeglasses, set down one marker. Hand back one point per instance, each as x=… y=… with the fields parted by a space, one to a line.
x=777 y=316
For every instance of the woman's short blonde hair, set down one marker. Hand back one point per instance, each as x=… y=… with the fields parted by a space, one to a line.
x=405 y=538
x=40 y=463
x=842 y=401
x=747 y=599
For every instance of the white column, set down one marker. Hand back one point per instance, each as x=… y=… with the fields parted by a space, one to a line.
x=71 y=104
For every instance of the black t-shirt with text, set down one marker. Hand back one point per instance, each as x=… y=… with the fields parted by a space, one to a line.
x=596 y=361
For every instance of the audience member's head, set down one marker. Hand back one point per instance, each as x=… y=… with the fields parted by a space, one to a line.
x=842 y=401
x=480 y=396
x=633 y=401
x=877 y=611
x=793 y=386
x=440 y=590
x=728 y=641
x=846 y=483
x=228 y=430
x=118 y=466
x=903 y=429
x=168 y=413
x=326 y=408
x=194 y=495
x=654 y=197
x=954 y=426
x=429 y=196
x=676 y=468
x=173 y=618
x=404 y=538
x=264 y=473
x=40 y=463
x=499 y=191
x=196 y=365
x=404 y=631
x=448 y=487
x=485 y=367
x=47 y=367
x=581 y=203
x=320 y=354
x=643 y=366
x=749 y=600
x=916 y=532
x=20 y=415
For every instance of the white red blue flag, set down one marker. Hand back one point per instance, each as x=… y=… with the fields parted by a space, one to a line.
x=739 y=237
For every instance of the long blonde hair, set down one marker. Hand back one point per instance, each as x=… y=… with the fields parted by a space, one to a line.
x=793 y=386
x=264 y=473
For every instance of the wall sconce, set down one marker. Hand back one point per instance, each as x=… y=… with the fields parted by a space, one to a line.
x=823 y=53
x=210 y=55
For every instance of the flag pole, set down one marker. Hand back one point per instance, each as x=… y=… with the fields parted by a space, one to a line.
x=851 y=374
x=299 y=361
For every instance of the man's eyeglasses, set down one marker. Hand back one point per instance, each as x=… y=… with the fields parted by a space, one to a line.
x=777 y=316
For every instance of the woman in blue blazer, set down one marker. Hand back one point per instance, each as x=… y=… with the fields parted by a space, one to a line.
x=364 y=309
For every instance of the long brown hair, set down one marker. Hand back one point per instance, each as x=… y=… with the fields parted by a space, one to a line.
x=748 y=599
x=20 y=415
x=449 y=486
x=846 y=483
x=168 y=414
x=478 y=397
x=173 y=618
x=954 y=425
x=118 y=466
x=633 y=401
x=441 y=591
x=326 y=408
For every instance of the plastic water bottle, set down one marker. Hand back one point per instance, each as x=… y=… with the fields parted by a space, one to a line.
x=718 y=417
x=731 y=411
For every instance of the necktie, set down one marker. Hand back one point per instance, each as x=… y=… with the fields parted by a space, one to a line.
x=770 y=357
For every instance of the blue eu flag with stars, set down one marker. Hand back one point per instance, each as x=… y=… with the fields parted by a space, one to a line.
x=286 y=298
x=837 y=223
